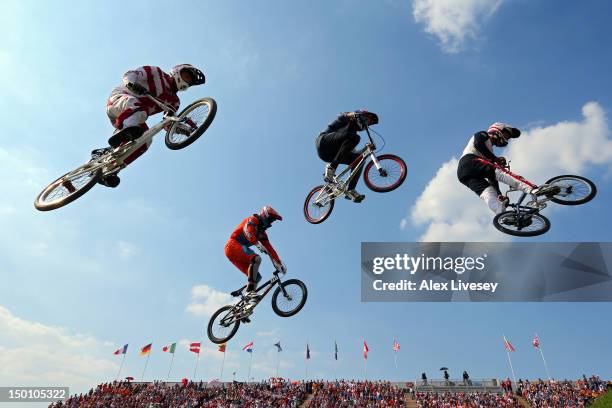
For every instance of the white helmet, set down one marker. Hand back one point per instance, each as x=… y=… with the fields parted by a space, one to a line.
x=197 y=77
x=501 y=132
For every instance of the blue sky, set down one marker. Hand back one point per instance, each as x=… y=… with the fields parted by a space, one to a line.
x=120 y=266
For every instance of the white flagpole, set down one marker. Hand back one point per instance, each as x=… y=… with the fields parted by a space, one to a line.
x=195 y=369
x=277 y=362
x=120 y=367
x=170 y=369
x=511 y=368
x=145 y=367
x=222 y=364
x=543 y=359
x=250 y=363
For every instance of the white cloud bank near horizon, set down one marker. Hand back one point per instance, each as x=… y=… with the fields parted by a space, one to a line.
x=35 y=354
x=449 y=211
x=453 y=22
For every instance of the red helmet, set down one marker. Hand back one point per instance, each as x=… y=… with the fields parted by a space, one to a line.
x=269 y=214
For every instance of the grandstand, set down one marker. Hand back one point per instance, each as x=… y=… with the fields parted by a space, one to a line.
x=280 y=393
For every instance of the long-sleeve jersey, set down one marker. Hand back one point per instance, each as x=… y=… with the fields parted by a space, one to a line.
x=157 y=82
x=250 y=232
x=480 y=145
x=342 y=123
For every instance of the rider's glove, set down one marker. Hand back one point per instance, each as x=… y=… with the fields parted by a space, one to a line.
x=136 y=88
x=501 y=161
x=261 y=248
x=280 y=267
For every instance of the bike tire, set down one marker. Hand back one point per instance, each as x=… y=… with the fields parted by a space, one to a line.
x=385 y=160
x=212 y=111
x=297 y=308
x=585 y=182
x=43 y=205
x=209 y=330
x=498 y=223
x=309 y=215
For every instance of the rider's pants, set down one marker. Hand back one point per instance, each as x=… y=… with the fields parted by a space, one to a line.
x=490 y=197
x=240 y=255
x=338 y=148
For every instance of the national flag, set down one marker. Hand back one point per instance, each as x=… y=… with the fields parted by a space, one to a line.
x=146 y=349
x=396 y=345
x=335 y=350
x=536 y=341
x=195 y=347
x=365 y=350
x=122 y=350
x=248 y=348
x=278 y=347
x=307 y=352
x=169 y=348
x=222 y=347
x=508 y=346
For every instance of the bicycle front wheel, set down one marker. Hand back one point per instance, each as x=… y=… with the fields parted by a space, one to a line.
x=575 y=190
x=68 y=188
x=318 y=205
x=528 y=226
x=197 y=118
x=390 y=176
x=290 y=301
x=223 y=325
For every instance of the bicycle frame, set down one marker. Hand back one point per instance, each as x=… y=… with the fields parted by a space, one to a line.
x=237 y=312
x=338 y=186
x=116 y=160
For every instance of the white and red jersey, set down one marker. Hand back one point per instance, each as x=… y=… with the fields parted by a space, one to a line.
x=157 y=82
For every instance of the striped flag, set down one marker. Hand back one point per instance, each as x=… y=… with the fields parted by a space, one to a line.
x=222 y=347
x=536 y=342
x=146 y=349
x=508 y=346
x=169 y=348
x=307 y=352
x=396 y=345
x=365 y=350
x=248 y=348
x=195 y=347
x=122 y=350
x=335 y=350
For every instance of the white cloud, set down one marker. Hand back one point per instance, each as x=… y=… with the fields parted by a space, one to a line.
x=205 y=300
x=453 y=21
x=33 y=353
x=451 y=212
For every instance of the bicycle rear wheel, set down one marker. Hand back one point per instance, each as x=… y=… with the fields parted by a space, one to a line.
x=318 y=205
x=68 y=188
x=286 y=305
x=223 y=325
x=390 y=176
x=201 y=114
x=575 y=190
x=529 y=226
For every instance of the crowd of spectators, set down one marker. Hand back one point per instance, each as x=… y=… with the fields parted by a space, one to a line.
x=279 y=393
x=190 y=395
x=466 y=400
x=565 y=394
x=348 y=394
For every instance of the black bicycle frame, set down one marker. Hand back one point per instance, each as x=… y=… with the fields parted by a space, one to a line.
x=522 y=210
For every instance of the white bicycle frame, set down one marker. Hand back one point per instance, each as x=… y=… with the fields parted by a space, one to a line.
x=116 y=160
x=338 y=187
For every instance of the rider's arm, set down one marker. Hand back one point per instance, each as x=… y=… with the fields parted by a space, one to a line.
x=136 y=76
x=480 y=143
x=263 y=239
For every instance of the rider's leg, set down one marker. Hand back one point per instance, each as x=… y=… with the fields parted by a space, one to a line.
x=352 y=194
x=127 y=115
x=491 y=197
x=332 y=147
x=488 y=193
x=253 y=274
x=513 y=181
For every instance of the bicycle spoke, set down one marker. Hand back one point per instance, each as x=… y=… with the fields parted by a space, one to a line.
x=198 y=115
x=291 y=300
